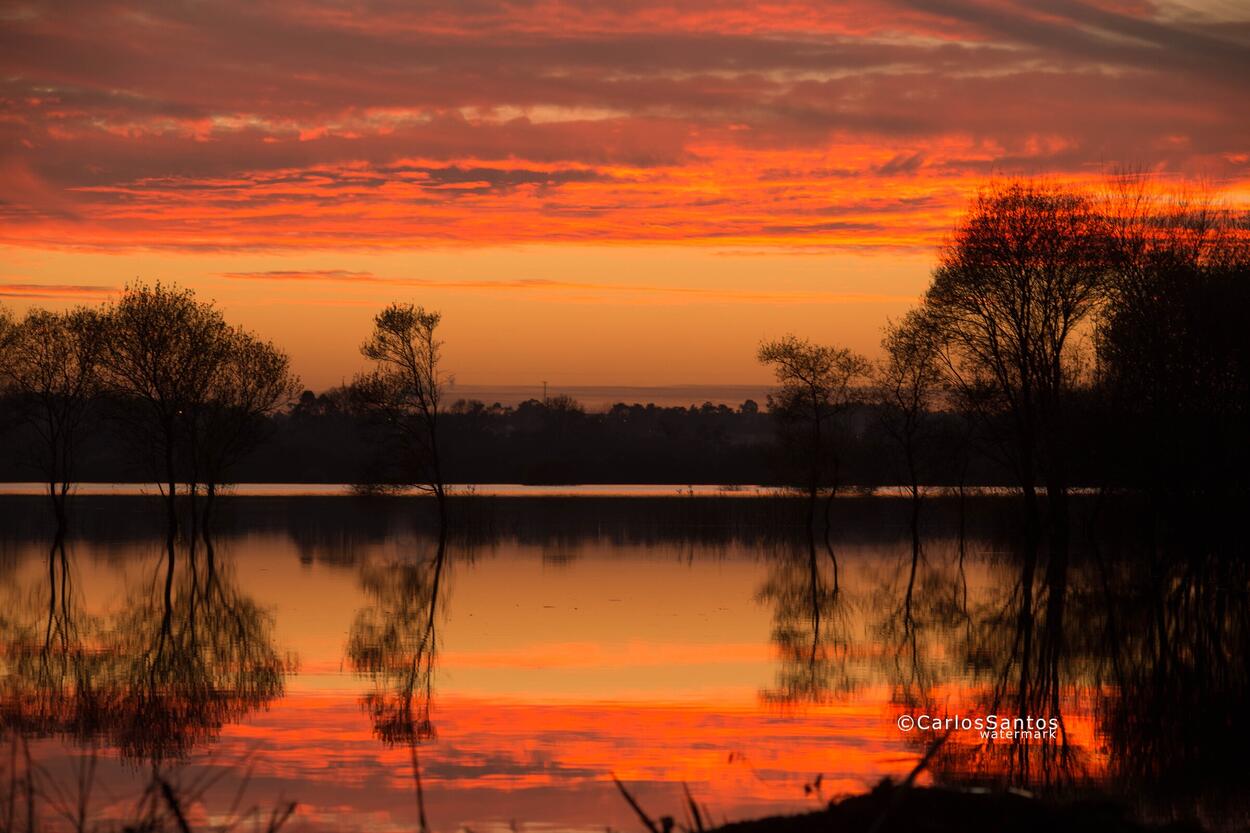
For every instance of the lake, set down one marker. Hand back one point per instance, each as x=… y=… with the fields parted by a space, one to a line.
x=334 y=652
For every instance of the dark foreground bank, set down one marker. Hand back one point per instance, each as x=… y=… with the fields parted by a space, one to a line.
x=894 y=809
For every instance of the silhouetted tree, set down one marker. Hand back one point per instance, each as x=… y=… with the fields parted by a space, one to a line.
x=6 y=336
x=251 y=382
x=909 y=382
x=910 y=386
x=163 y=349
x=817 y=383
x=50 y=363
x=405 y=390
x=1173 y=345
x=1024 y=270
x=1023 y=273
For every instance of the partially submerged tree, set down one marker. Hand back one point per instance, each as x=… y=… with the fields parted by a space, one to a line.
x=50 y=363
x=251 y=382
x=1021 y=276
x=162 y=352
x=405 y=390
x=1013 y=293
x=1173 y=346
x=817 y=383
x=909 y=384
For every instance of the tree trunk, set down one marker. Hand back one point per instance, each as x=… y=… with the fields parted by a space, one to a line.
x=170 y=478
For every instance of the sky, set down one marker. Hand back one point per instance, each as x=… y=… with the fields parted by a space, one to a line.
x=611 y=193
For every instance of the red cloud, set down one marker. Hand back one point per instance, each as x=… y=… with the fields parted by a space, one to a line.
x=55 y=291
x=238 y=126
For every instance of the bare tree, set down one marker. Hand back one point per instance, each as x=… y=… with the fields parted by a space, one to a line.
x=909 y=384
x=817 y=383
x=406 y=387
x=1022 y=274
x=1172 y=344
x=163 y=350
x=51 y=364
x=252 y=381
x=1013 y=293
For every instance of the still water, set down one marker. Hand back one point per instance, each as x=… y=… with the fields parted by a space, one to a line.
x=334 y=653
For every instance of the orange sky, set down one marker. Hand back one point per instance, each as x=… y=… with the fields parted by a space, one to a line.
x=593 y=193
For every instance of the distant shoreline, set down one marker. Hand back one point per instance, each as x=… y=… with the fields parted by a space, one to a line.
x=622 y=490
x=598 y=398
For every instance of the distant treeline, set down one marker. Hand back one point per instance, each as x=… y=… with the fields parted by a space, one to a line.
x=322 y=438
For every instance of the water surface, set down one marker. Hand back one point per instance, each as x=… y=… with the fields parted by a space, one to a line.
x=331 y=652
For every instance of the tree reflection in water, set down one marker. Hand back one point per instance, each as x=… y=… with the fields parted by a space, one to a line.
x=394 y=641
x=1143 y=642
x=187 y=653
x=1138 y=644
x=1173 y=662
x=52 y=661
x=191 y=652
x=811 y=629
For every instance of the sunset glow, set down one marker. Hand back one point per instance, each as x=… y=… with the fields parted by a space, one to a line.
x=592 y=193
